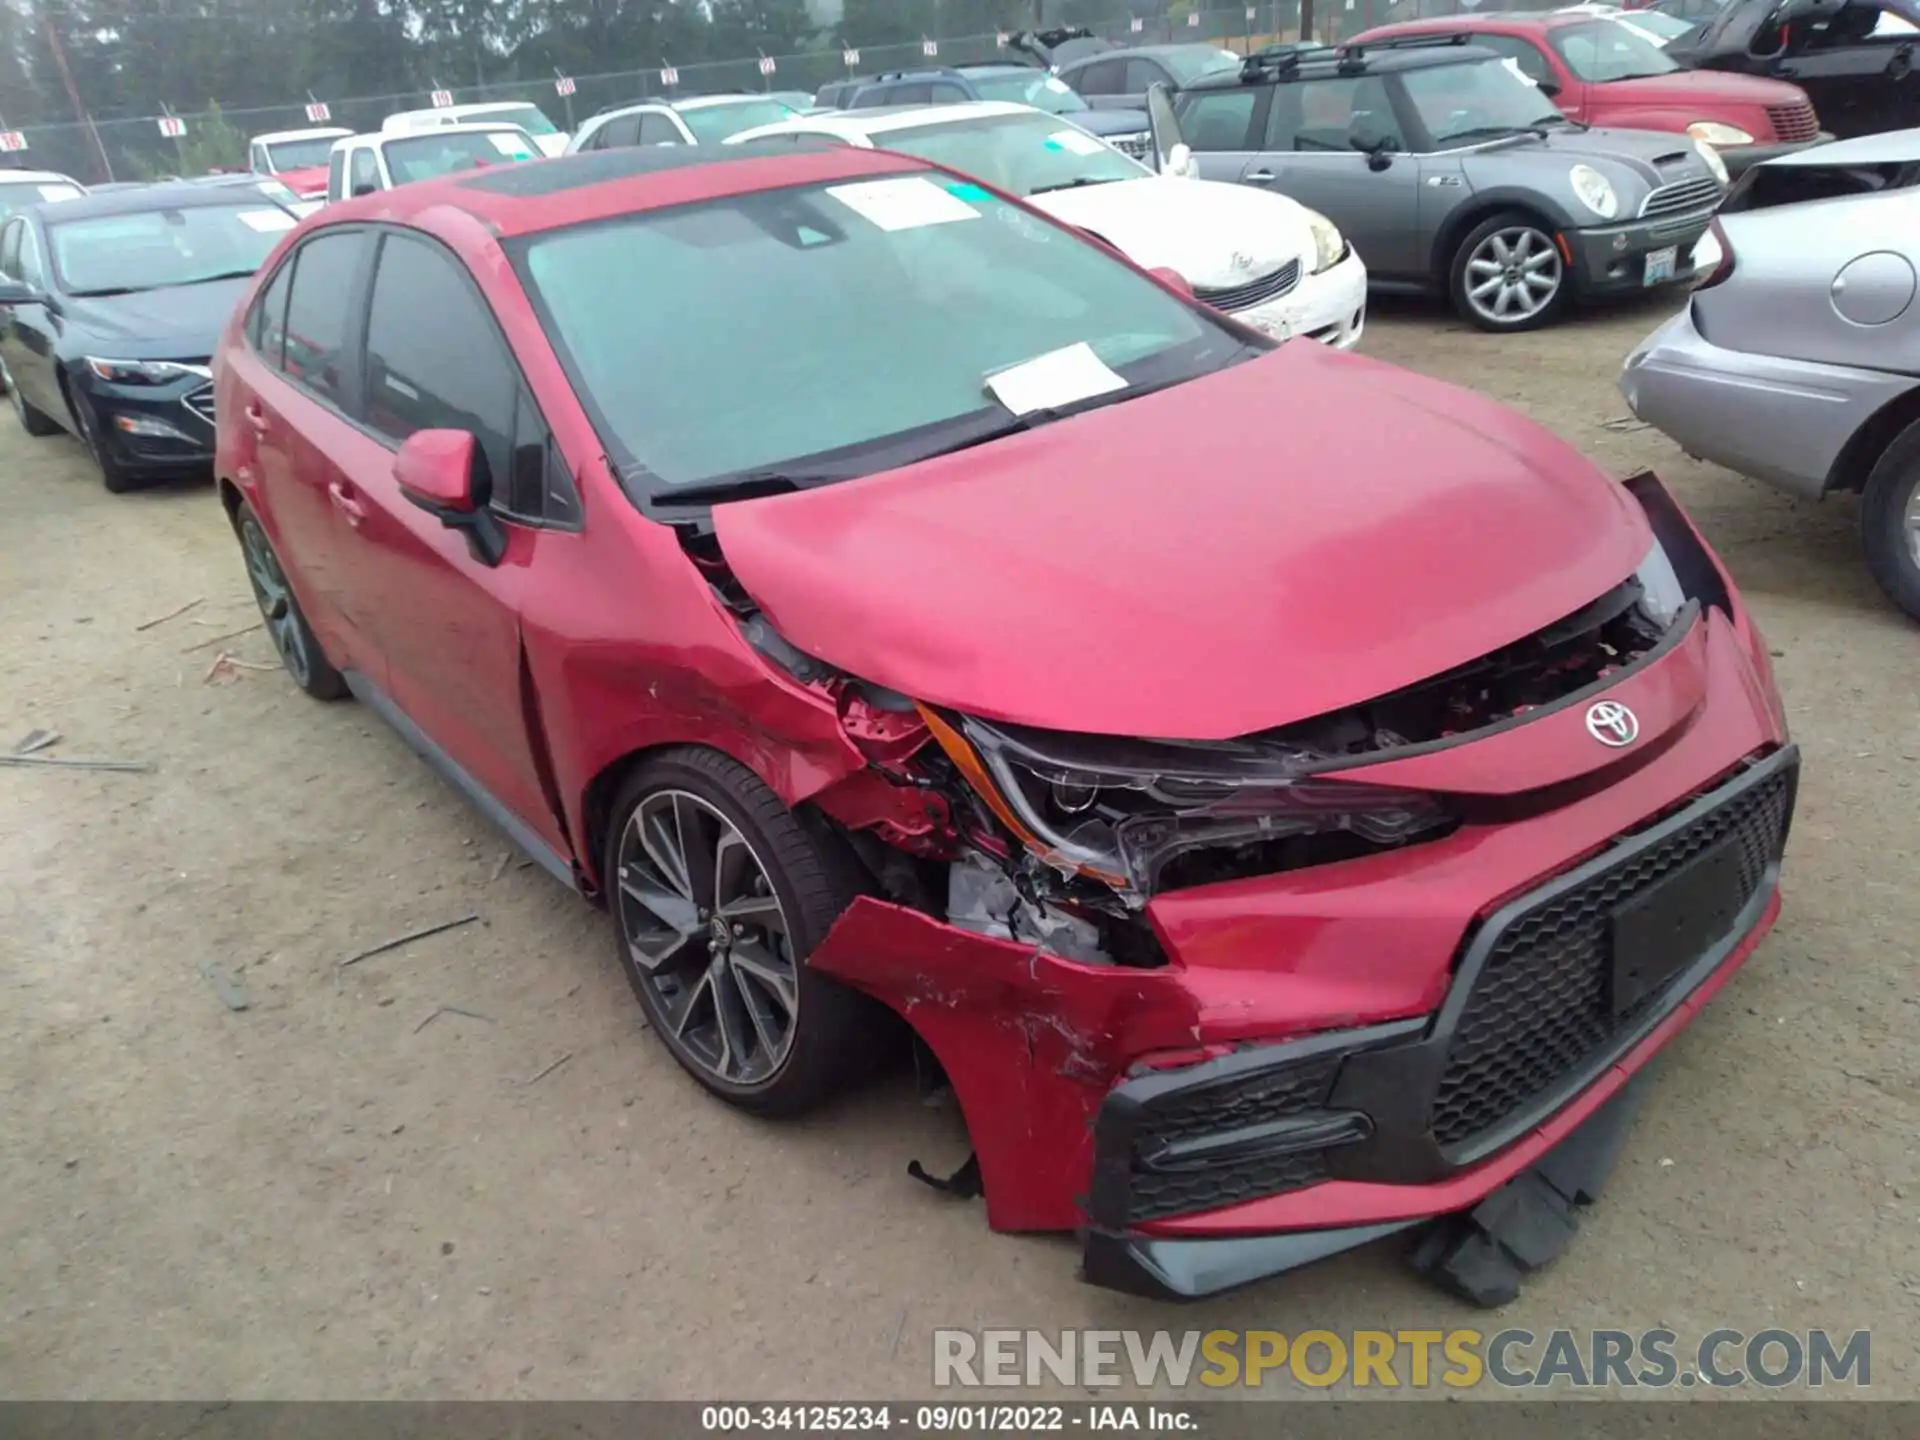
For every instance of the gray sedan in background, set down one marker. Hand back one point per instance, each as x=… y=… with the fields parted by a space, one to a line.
x=1798 y=359
x=1451 y=173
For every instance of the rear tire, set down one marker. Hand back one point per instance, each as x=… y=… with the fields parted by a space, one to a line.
x=1890 y=521
x=1507 y=274
x=34 y=422
x=287 y=627
x=719 y=894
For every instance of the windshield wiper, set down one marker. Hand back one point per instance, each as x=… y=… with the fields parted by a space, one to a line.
x=1492 y=132
x=108 y=292
x=1073 y=184
x=223 y=275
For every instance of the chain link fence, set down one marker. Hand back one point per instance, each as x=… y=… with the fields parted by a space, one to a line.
x=135 y=148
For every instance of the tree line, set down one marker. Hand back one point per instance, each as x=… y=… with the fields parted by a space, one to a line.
x=143 y=57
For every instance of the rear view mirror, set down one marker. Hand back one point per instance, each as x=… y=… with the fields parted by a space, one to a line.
x=1172 y=279
x=438 y=471
x=1547 y=87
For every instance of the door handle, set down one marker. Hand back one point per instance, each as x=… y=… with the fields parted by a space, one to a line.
x=256 y=417
x=347 y=503
x=1262 y=176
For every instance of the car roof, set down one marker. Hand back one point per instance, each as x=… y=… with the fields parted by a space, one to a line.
x=1148 y=50
x=537 y=195
x=1326 y=64
x=999 y=67
x=703 y=102
x=1505 y=19
x=164 y=195
x=275 y=137
x=466 y=109
x=883 y=119
x=1890 y=147
x=35 y=177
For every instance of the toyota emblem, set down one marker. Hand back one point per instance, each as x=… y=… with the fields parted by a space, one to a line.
x=1242 y=261
x=1612 y=724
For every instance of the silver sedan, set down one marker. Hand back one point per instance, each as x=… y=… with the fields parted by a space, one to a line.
x=1797 y=360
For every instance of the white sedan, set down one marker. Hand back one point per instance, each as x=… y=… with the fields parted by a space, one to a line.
x=1267 y=260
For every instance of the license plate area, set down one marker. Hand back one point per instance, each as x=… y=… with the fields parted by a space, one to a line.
x=1660 y=265
x=1660 y=932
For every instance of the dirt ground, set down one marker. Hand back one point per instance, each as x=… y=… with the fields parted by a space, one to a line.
x=324 y=1195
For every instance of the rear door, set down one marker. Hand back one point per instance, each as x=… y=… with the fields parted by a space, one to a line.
x=33 y=329
x=1857 y=66
x=447 y=624
x=1309 y=154
x=296 y=390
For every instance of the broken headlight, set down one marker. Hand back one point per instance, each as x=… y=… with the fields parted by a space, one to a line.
x=1121 y=810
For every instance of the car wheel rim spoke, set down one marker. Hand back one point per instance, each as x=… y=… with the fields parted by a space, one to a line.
x=708 y=937
x=1513 y=275
x=1913 y=526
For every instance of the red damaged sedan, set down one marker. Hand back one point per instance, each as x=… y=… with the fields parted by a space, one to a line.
x=1289 y=798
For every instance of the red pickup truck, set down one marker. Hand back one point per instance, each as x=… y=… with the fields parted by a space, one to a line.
x=1600 y=72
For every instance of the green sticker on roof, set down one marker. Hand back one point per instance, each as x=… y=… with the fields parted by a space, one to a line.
x=967 y=190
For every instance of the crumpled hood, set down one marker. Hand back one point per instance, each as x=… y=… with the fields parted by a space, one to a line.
x=1195 y=226
x=178 y=322
x=1277 y=540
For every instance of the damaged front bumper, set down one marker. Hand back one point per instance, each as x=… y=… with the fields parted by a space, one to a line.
x=1334 y=1053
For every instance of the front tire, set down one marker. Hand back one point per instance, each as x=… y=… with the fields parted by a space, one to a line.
x=33 y=421
x=287 y=627
x=1890 y=521
x=719 y=893
x=115 y=476
x=1507 y=275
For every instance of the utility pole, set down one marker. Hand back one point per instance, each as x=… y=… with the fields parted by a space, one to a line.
x=73 y=90
x=1306 y=19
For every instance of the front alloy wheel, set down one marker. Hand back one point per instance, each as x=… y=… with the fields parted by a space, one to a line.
x=299 y=651
x=1509 y=275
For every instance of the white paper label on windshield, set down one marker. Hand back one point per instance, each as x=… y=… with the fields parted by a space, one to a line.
x=266 y=221
x=1058 y=86
x=511 y=146
x=1059 y=377
x=1076 y=142
x=905 y=204
x=58 y=192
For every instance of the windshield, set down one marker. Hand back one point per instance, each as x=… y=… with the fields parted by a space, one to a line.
x=853 y=321
x=422 y=157
x=1460 y=104
x=1600 y=51
x=530 y=118
x=713 y=123
x=1658 y=27
x=300 y=154
x=15 y=193
x=1044 y=92
x=1192 y=62
x=113 y=254
x=1022 y=154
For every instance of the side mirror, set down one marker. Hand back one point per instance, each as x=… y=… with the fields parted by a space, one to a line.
x=1172 y=279
x=1180 y=163
x=436 y=470
x=12 y=292
x=1547 y=87
x=1372 y=142
x=364 y=187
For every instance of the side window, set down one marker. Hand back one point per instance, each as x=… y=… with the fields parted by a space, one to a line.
x=337 y=174
x=1220 y=119
x=318 y=308
x=267 y=325
x=366 y=174
x=1142 y=75
x=1104 y=77
x=1327 y=114
x=618 y=133
x=31 y=270
x=257 y=160
x=658 y=129
x=1523 y=53
x=436 y=361
x=947 y=93
x=10 y=249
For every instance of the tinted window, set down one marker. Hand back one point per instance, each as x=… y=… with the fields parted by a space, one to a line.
x=295 y=154
x=1523 y=53
x=33 y=270
x=1141 y=74
x=366 y=174
x=428 y=156
x=1219 y=119
x=949 y=94
x=10 y=249
x=267 y=326
x=659 y=130
x=317 y=311
x=435 y=360
x=1326 y=114
x=1602 y=51
x=337 y=174
x=1191 y=62
x=711 y=124
x=1102 y=78
x=620 y=131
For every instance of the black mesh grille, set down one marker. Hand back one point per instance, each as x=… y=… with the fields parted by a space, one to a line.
x=1699 y=193
x=1254 y=292
x=1540 y=1012
x=1251 y=1099
x=1793 y=124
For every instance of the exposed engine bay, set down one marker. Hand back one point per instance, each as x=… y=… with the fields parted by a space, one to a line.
x=1059 y=840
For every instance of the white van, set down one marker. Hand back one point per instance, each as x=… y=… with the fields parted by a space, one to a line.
x=531 y=118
